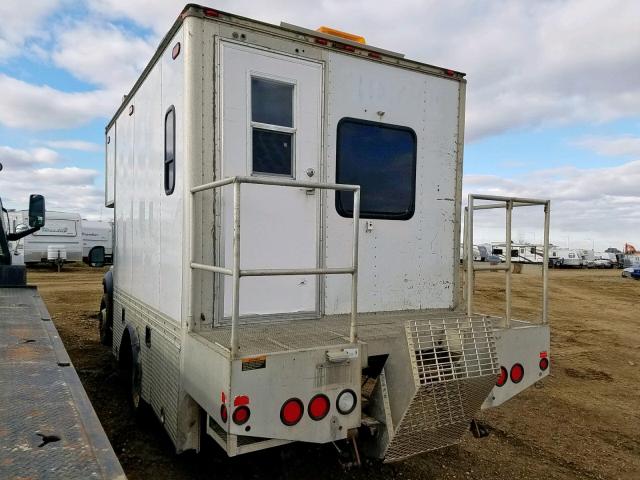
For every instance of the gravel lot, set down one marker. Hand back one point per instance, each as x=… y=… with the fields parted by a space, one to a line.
x=583 y=422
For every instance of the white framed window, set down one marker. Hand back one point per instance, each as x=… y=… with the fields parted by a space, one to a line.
x=272 y=127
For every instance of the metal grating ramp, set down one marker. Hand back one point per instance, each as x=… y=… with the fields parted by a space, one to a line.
x=454 y=368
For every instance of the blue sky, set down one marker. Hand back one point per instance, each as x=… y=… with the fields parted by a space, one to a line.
x=553 y=106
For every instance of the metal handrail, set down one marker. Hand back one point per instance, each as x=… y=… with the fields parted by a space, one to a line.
x=237 y=273
x=508 y=203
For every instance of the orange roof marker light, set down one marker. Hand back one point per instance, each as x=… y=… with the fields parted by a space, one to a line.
x=346 y=35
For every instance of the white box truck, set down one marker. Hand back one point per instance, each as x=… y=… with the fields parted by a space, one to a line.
x=286 y=262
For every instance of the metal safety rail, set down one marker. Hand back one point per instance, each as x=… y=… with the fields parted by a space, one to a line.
x=508 y=203
x=236 y=272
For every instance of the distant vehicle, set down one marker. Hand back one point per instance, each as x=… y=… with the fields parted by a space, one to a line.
x=493 y=259
x=477 y=256
x=59 y=241
x=605 y=260
x=566 y=257
x=632 y=272
x=520 y=252
x=97 y=235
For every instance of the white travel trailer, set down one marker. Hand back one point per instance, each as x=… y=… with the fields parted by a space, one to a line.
x=287 y=217
x=60 y=240
x=476 y=253
x=520 y=252
x=566 y=257
x=97 y=235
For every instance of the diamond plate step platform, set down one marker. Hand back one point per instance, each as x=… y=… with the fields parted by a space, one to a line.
x=48 y=428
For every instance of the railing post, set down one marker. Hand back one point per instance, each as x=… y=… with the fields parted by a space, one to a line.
x=469 y=254
x=464 y=259
x=545 y=264
x=507 y=287
x=235 y=305
x=353 y=336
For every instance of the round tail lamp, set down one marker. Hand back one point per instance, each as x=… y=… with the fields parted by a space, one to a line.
x=517 y=373
x=291 y=411
x=503 y=376
x=241 y=415
x=319 y=407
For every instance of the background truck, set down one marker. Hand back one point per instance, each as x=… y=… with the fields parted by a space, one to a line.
x=287 y=209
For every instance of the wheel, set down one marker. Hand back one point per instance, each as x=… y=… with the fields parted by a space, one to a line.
x=106 y=321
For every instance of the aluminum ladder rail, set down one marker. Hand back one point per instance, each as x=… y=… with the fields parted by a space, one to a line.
x=508 y=203
x=236 y=273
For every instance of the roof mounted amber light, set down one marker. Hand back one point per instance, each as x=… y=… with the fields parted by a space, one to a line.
x=346 y=35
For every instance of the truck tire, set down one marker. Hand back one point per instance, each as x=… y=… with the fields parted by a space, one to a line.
x=106 y=321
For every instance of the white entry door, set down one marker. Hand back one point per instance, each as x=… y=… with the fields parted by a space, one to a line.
x=271 y=114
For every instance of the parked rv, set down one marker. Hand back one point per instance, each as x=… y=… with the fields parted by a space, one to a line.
x=566 y=257
x=604 y=260
x=520 y=252
x=59 y=241
x=272 y=189
x=97 y=236
x=477 y=256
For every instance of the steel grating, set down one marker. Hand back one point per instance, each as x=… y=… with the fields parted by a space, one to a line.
x=454 y=367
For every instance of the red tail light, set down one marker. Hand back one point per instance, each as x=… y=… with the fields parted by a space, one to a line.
x=517 y=373
x=291 y=412
x=241 y=415
x=544 y=363
x=209 y=12
x=224 y=415
x=503 y=376
x=319 y=407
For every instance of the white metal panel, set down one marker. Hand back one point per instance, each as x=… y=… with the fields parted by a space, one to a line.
x=279 y=225
x=110 y=177
x=147 y=189
x=171 y=206
x=403 y=264
x=124 y=201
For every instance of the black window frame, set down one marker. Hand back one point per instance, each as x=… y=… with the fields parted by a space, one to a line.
x=170 y=163
x=379 y=215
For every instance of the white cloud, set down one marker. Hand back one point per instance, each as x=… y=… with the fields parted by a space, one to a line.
x=80 y=145
x=587 y=205
x=17 y=159
x=21 y=21
x=64 y=176
x=528 y=63
x=68 y=189
x=612 y=145
x=102 y=55
x=37 y=107
x=158 y=15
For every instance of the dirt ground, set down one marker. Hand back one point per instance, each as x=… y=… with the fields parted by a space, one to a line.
x=582 y=422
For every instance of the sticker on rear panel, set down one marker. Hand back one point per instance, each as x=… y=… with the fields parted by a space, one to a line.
x=253 y=363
